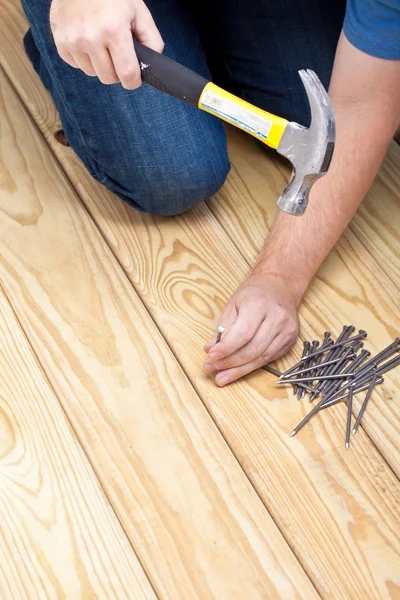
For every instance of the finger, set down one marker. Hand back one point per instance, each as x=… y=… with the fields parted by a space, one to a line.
x=226 y=319
x=279 y=346
x=243 y=329
x=104 y=67
x=257 y=346
x=67 y=57
x=124 y=59
x=84 y=63
x=145 y=30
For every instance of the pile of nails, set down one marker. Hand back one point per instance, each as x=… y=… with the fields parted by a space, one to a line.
x=336 y=371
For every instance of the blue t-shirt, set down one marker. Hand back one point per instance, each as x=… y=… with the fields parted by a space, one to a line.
x=373 y=26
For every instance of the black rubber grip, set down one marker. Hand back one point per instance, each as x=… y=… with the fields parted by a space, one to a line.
x=169 y=76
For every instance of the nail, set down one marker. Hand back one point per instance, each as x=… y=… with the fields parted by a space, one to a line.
x=364 y=404
x=272 y=370
x=316 y=377
x=324 y=404
x=357 y=390
x=364 y=378
x=306 y=418
x=385 y=353
x=388 y=365
x=349 y=408
x=333 y=353
x=298 y=364
x=314 y=367
x=210 y=367
x=310 y=363
x=223 y=380
x=301 y=392
x=359 y=336
x=359 y=359
x=343 y=353
x=214 y=355
x=220 y=331
x=347 y=357
x=306 y=350
x=318 y=362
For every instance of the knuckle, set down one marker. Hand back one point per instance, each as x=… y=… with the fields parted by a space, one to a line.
x=292 y=330
x=281 y=316
x=242 y=333
x=86 y=40
x=253 y=351
x=259 y=303
x=129 y=73
x=61 y=41
x=262 y=359
x=111 y=30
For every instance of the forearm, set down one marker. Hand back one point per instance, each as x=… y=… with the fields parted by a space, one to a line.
x=364 y=92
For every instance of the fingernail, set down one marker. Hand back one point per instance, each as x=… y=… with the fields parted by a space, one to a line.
x=223 y=380
x=210 y=366
x=215 y=355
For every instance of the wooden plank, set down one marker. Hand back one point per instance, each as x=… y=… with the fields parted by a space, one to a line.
x=338 y=509
x=197 y=524
x=59 y=537
x=377 y=222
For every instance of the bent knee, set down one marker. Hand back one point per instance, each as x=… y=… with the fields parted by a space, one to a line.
x=167 y=190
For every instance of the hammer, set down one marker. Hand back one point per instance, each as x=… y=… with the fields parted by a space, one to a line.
x=308 y=149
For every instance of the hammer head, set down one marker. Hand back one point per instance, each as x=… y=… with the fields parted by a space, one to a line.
x=309 y=150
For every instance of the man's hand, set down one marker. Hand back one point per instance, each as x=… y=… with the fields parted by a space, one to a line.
x=96 y=37
x=261 y=325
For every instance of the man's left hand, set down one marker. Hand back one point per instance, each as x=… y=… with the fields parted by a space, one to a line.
x=261 y=325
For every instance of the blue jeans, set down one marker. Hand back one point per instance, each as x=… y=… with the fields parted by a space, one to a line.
x=157 y=153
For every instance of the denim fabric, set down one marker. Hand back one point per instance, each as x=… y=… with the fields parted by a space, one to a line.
x=157 y=153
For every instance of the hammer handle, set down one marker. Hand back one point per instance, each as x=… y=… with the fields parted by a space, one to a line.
x=168 y=76
x=174 y=79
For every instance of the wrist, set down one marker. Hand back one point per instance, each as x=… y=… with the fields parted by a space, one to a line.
x=295 y=284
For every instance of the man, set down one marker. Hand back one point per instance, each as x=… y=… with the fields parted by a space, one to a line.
x=163 y=156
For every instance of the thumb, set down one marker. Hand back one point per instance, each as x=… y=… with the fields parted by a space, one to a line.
x=227 y=318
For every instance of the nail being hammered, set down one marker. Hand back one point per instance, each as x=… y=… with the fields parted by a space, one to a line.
x=220 y=331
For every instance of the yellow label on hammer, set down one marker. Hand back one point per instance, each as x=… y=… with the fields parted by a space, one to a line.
x=263 y=125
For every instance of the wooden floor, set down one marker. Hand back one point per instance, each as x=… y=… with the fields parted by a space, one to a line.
x=124 y=471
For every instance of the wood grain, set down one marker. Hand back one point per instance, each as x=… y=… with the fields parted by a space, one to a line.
x=377 y=222
x=59 y=537
x=338 y=509
x=196 y=523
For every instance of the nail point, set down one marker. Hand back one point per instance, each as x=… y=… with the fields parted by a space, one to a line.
x=347 y=444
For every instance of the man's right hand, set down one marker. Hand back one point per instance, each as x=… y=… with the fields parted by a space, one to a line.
x=96 y=37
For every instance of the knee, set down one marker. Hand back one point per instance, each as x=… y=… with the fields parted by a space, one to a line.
x=181 y=189
x=172 y=187
x=170 y=178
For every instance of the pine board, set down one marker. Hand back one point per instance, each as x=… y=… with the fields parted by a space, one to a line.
x=254 y=420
